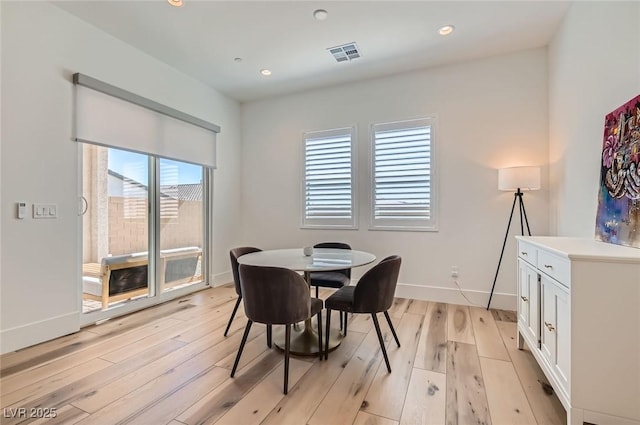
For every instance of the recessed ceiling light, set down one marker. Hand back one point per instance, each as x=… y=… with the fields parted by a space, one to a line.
x=446 y=30
x=237 y=59
x=265 y=72
x=176 y=3
x=320 y=14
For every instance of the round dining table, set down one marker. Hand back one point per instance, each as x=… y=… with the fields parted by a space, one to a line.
x=304 y=341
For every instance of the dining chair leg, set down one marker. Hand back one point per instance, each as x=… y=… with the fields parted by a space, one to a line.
x=317 y=292
x=269 y=335
x=233 y=314
x=384 y=351
x=326 y=340
x=244 y=340
x=287 y=346
x=344 y=329
x=341 y=321
x=393 y=331
x=320 y=352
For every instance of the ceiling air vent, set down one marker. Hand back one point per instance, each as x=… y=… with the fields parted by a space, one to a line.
x=345 y=53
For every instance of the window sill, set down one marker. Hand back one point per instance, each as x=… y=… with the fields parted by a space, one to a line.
x=404 y=228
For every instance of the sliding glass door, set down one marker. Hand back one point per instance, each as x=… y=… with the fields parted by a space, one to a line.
x=143 y=227
x=181 y=223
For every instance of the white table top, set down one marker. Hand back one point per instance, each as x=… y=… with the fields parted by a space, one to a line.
x=322 y=259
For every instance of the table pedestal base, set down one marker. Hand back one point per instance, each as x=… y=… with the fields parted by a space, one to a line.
x=304 y=342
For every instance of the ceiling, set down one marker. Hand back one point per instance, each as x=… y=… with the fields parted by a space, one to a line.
x=203 y=38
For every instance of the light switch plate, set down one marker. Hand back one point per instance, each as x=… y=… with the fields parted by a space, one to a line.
x=45 y=211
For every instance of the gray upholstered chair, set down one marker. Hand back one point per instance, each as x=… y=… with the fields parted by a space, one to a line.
x=277 y=296
x=333 y=279
x=234 y=254
x=373 y=294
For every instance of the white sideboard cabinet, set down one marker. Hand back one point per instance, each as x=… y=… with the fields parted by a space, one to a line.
x=579 y=314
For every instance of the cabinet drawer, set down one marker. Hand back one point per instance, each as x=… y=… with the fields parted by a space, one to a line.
x=557 y=267
x=528 y=253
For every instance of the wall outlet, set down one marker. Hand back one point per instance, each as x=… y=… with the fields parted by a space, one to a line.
x=454 y=271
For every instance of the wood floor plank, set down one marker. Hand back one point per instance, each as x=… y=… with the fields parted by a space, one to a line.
x=166 y=408
x=134 y=348
x=253 y=349
x=459 y=326
x=302 y=400
x=399 y=307
x=546 y=406
x=66 y=415
x=192 y=334
x=344 y=399
x=210 y=320
x=426 y=398
x=129 y=322
x=210 y=351
x=213 y=294
x=215 y=404
x=90 y=383
x=417 y=306
x=258 y=402
x=47 y=351
x=432 y=348
x=365 y=418
x=466 y=396
x=387 y=392
x=357 y=322
x=52 y=383
x=488 y=339
x=504 y=315
x=507 y=401
x=132 y=404
x=35 y=374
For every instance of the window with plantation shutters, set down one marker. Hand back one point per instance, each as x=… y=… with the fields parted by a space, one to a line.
x=328 y=183
x=403 y=175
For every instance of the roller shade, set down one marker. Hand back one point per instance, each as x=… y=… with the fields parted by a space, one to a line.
x=112 y=117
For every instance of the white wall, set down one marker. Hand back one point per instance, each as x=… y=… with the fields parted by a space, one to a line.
x=492 y=114
x=42 y=46
x=594 y=67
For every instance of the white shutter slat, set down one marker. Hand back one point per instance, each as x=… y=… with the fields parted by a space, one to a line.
x=328 y=178
x=402 y=173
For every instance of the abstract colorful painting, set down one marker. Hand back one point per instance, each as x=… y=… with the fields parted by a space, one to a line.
x=618 y=217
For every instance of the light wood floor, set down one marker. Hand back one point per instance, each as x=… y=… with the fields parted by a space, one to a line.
x=170 y=365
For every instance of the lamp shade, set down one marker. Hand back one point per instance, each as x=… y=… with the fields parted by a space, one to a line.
x=524 y=178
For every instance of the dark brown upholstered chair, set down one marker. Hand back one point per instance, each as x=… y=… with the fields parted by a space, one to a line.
x=234 y=254
x=373 y=294
x=277 y=296
x=333 y=279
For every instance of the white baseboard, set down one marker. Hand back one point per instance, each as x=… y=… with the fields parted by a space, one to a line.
x=221 y=279
x=423 y=292
x=19 y=337
x=453 y=296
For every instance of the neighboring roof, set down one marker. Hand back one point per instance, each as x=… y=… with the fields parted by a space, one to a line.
x=183 y=192
x=190 y=192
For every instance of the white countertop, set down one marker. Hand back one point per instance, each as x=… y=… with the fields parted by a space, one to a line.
x=585 y=248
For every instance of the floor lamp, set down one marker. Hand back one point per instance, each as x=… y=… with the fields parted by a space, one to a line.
x=516 y=179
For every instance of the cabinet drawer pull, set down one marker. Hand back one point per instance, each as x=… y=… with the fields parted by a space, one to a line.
x=549 y=326
x=524 y=253
x=548 y=266
x=525 y=299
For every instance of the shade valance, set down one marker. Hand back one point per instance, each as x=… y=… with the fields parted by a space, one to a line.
x=109 y=116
